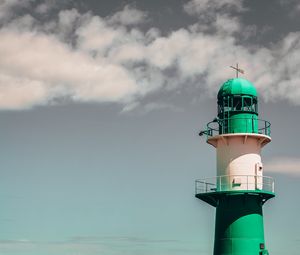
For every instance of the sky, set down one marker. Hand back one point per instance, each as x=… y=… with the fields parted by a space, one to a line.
x=101 y=103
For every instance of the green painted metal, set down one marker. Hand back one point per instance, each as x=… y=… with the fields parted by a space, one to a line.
x=239 y=217
x=239 y=226
x=239 y=221
x=212 y=198
x=237 y=86
x=237 y=107
x=239 y=123
x=249 y=124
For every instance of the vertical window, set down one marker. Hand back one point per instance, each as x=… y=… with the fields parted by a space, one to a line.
x=237 y=103
x=247 y=104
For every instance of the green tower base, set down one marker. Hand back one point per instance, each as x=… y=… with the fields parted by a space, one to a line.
x=239 y=228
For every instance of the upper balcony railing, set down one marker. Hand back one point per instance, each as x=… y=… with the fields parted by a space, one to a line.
x=235 y=183
x=237 y=125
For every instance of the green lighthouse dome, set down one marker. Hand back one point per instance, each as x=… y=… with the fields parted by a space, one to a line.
x=237 y=107
x=237 y=86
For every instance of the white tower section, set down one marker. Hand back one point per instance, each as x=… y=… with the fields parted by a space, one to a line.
x=239 y=165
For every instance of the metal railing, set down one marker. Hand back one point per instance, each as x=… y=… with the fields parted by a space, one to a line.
x=234 y=183
x=251 y=125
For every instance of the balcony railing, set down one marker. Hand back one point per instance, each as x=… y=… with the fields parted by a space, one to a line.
x=235 y=183
x=225 y=126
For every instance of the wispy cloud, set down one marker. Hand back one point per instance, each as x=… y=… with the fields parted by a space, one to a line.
x=284 y=165
x=128 y=16
x=91 y=245
x=208 y=8
x=292 y=5
x=7 y=7
x=125 y=239
x=34 y=247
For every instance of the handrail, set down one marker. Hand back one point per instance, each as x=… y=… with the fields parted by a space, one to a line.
x=234 y=182
x=219 y=126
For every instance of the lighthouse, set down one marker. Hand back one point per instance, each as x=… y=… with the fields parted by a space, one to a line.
x=239 y=189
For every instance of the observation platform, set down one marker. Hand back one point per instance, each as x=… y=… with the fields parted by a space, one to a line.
x=237 y=125
x=234 y=126
x=211 y=189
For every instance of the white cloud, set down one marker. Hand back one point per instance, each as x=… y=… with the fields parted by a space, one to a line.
x=164 y=51
x=284 y=165
x=211 y=7
x=18 y=93
x=95 y=35
x=50 y=67
x=43 y=8
x=216 y=16
x=86 y=57
x=227 y=24
x=126 y=53
x=26 y=22
x=67 y=21
x=128 y=16
x=7 y=7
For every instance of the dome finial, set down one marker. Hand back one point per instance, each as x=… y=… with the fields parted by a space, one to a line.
x=237 y=70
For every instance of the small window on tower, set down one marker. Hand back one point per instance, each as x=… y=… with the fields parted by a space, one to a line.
x=237 y=103
x=247 y=104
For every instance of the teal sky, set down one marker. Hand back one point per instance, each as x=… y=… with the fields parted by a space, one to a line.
x=105 y=162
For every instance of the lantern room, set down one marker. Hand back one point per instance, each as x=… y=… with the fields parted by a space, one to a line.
x=237 y=107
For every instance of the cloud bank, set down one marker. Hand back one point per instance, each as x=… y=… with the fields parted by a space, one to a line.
x=284 y=165
x=87 y=58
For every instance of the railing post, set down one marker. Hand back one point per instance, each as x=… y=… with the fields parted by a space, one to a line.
x=247 y=129
x=247 y=182
x=266 y=128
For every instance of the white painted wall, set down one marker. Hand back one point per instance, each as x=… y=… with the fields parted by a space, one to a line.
x=238 y=156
